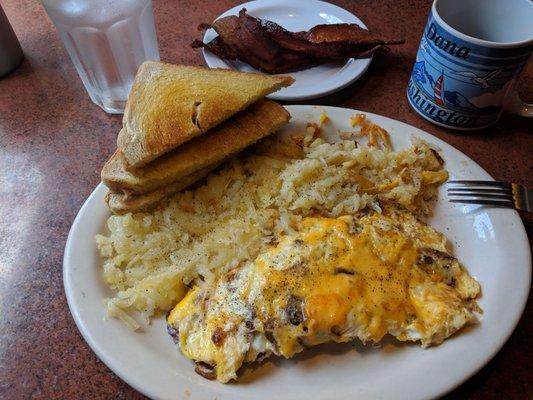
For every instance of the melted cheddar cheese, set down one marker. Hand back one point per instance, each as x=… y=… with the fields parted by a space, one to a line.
x=335 y=280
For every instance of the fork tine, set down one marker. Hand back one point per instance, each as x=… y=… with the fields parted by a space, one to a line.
x=479 y=190
x=482 y=183
x=506 y=204
x=499 y=196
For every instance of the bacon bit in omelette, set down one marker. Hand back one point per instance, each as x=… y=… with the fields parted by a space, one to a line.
x=173 y=332
x=205 y=370
x=218 y=336
x=187 y=208
x=294 y=310
x=269 y=325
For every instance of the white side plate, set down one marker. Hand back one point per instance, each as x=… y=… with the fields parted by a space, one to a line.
x=491 y=243
x=299 y=15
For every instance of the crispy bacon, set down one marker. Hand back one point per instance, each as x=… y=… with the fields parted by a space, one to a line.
x=242 y=37
x=205 y=370
x=328 y=41
x=269 y=47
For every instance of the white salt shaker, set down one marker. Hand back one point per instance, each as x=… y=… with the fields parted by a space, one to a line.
x=107 y=40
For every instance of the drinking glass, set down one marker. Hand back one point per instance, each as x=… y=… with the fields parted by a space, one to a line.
x=107 y=40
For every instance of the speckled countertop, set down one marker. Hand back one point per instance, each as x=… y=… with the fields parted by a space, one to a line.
x=54 y=140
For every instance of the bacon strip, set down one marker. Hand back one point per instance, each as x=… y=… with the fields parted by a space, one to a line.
x=242 y=37
x=271 y=48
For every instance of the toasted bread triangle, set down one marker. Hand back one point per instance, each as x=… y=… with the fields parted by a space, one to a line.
x=240 y=131
x=171 y=104
x=121 y=203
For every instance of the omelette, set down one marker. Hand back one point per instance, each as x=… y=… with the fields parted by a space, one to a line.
x=333 y=280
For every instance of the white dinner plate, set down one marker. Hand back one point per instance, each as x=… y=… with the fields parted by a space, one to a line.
x=299 y=15
x=491 y=243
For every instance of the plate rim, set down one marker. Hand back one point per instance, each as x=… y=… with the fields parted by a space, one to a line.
x=210 y=58
x=108 y=360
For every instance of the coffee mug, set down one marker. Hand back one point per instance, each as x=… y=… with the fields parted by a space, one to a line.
x=469 y=57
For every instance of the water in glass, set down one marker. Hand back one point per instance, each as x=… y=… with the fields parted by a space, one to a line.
x=107 y=40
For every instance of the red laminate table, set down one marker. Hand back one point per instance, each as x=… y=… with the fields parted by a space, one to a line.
x=53 y=142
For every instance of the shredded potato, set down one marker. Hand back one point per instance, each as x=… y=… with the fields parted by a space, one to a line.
x=200 y=233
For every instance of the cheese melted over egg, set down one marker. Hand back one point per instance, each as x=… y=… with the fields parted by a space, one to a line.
x=335 y=280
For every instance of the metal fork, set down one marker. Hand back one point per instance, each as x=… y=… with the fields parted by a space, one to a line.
x=491 y=193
